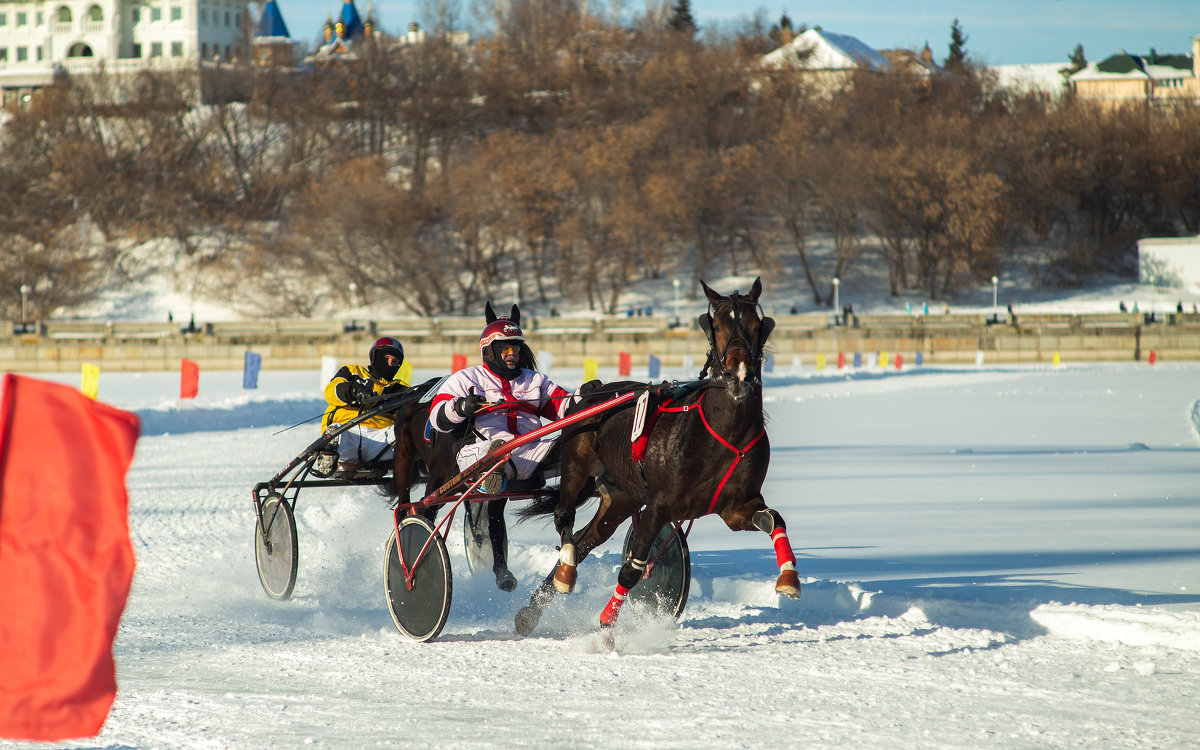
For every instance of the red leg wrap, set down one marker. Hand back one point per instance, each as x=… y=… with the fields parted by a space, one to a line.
x=783 y=550
x=608 y=617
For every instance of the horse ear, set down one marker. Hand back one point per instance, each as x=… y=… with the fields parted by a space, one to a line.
x=515 y=315
x=705 y=321
x=766 y=326
x=708 y=292
x=489 y=314
x=756 y=289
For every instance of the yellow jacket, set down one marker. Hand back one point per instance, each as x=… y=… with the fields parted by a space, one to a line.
x=339 y=411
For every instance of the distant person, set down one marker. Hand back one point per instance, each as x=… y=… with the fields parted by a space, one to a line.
x=1179 y=306
x=1122 y=306
x=372 y=440
x=795 y=309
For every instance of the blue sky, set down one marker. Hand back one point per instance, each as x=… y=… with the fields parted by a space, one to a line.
x=1013 y=31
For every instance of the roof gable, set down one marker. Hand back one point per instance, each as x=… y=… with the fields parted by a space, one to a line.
x=816 y=49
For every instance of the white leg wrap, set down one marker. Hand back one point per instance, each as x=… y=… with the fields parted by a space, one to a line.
x=567 y=555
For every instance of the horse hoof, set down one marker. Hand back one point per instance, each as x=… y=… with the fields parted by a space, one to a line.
x=527 y=620
x=605 y=642
x=565 y=577
x=788 y=584
x=505 y=580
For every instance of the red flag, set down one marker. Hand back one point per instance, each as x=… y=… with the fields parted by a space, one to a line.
x=458 y=362
x=66 y=563
x=189 y=380
x=624 y=364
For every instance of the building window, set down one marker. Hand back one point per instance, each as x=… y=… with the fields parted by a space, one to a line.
x=22 y=20
x=63 y=15
x=3 y=54
x=155 y=13
x=204 y=15
x=136 y=50
x=136 y=15
x=22 y=54
x=95 y=14
x=39 y=52
x=176 y=13
x=156 y=49
x=3 y=19
x=39 y=18
x=176 y=49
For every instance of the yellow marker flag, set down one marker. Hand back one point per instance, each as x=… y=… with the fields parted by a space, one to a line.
x=90 y=385
x=883 y=359
x=820 y=362
x=405 y=372
x=590 y=368
x=1057 y=359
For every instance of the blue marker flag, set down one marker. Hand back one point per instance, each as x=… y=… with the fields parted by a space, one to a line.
x=654 y=367
x=250 y=370
x=769 y=363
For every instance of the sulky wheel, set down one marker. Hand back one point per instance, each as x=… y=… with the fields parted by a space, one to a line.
x=476 y=541
x=419 y=605
x=666 y=587
x=275 y=550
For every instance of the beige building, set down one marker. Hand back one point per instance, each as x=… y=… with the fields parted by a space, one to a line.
x=1132 y=79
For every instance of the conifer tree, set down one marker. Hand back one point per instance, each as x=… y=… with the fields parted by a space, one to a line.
x=956 y=60
x=1077 y=63
x=681 y=17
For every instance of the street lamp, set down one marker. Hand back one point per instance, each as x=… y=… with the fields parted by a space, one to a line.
x=675 y=283
x=24 y=294
x=836 y=283
x=995 y=307
x=353 y=289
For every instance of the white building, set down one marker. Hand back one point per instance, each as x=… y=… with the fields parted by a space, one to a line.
x=39 y=38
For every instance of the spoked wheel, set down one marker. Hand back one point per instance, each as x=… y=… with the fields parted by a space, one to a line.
x=419 y=606
x=476 y=540
x=275 y=551
x=665 y=589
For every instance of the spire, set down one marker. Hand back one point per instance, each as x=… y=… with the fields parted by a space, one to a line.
x=350 y=25
x=270 y=23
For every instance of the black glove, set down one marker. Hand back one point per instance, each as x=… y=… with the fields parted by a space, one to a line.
x=589 y=386
x=360 y=391
x=394 y=388
x=469 y=404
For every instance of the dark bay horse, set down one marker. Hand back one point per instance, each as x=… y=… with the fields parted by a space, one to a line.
x=706 y=452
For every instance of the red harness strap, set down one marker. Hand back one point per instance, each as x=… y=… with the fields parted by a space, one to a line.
x=737 y=453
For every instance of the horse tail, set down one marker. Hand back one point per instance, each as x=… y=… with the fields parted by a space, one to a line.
x=541 y=506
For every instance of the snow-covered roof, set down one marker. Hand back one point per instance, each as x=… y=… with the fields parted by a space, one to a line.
x=1030 y=76
x=817 y=49
x=1124 y=66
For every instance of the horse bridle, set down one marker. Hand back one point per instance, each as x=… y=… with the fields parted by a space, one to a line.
x=716 y=359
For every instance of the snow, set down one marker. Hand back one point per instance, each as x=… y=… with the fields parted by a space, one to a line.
x=993 y=556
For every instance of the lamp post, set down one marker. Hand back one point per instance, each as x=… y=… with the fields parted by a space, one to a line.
x=836 y=283
x=353 y=289
x=995 y=307
x=24 y=294
x=675 y=283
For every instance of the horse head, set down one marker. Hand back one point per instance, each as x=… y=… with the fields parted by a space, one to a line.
x=737 y=331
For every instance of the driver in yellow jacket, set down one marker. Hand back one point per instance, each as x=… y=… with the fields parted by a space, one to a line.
x=373 y=439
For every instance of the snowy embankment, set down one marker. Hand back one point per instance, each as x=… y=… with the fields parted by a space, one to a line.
x=994 y=557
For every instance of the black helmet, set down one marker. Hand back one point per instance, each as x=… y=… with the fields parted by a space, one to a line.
x=379 y=350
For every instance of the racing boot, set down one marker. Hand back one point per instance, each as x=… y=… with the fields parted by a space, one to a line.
x=498 y=533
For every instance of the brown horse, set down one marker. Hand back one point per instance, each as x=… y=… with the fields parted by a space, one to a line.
x=702 y=450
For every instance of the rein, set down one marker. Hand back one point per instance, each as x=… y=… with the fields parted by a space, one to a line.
x=716 y=359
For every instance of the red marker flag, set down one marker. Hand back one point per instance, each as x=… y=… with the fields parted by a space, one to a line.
x=189 y=379
x=66 y=563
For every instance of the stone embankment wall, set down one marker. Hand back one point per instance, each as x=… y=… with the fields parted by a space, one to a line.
x=63 y=346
